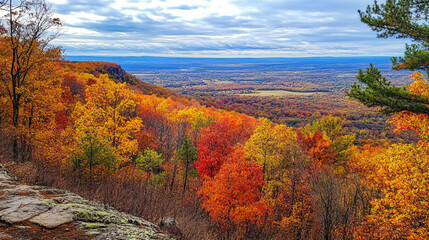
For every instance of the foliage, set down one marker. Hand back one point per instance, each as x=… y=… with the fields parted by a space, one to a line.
x=94 y=158
x=401 y=209
x=25 y=58
x=391 y=99
x=259 y=178
x=233 y=196
x=109 y=113
x=402 y=19
x=217 y=141
x=330 y=126
x=271 y=146
x=318 y=147
x=150 y=161
x=187 y=155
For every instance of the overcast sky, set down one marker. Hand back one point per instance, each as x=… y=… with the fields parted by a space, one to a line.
x=219 y=28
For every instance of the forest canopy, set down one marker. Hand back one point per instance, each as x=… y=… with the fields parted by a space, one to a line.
x=223 y=174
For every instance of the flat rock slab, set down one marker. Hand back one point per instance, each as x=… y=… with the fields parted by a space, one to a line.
x=19 y=208
x=55 y=217
x=32 y=212
x=23 y=213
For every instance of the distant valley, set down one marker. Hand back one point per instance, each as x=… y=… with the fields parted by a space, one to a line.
x=232 y=75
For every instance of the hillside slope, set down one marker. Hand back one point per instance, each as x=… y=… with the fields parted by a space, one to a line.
x=118 y=74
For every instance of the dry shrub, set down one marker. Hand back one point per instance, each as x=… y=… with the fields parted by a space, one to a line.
x=136 y=198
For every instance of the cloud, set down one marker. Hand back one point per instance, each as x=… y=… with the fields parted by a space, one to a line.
x=281 y=28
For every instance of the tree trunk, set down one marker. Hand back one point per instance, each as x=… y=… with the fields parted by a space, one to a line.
x=15 y=120
x=15 y=147
x=174 y=177
x=186 y=177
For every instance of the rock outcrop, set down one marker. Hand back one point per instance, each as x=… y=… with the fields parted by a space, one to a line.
x=22 y=206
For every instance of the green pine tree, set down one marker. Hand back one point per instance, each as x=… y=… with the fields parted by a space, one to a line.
x=379 y=93
x=150 y=162
x=186 y=155
x=94 y=158
x=401 y=19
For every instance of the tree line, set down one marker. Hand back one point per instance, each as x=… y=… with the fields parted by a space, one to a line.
x=251 y=177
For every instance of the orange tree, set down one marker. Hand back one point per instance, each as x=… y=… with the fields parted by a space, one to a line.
x=217 y=141
x=233 y=196
x=24 y=50
x=400 y=209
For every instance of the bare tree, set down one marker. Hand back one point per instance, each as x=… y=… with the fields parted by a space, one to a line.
x=337 y=202
x=326 y=194
x=28 y=28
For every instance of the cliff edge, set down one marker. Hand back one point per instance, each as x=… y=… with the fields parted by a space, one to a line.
x=38 y=212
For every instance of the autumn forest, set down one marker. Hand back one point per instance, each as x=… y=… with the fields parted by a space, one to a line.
x=225 y=166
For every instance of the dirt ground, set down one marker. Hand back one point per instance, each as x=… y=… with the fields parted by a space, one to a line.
x=27 y=230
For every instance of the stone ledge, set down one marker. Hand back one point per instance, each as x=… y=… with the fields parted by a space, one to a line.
x=51 y=208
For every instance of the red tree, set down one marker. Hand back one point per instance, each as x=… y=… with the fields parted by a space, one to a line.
x=233 y=196
x=317 y=147
x=217 y=142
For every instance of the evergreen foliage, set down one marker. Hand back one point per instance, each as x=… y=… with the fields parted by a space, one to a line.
x=150 y=161
x=186 y=155
x=401 y=19
x=391 y=99
x=93 y=158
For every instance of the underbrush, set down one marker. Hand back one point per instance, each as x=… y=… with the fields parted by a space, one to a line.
x=137 y=198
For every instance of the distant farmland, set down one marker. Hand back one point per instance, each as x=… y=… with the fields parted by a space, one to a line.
x=279 y=93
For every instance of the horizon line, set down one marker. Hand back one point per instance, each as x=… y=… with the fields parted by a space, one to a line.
x=223 y=57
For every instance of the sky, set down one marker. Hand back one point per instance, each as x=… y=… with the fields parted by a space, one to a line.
x=218 y=28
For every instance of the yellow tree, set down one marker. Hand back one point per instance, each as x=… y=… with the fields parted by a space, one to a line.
x=269 y=145
x=406 y=120
x=38 y=125
x=109 y=113
x=39 y=100
x=399 y=176
x=275 y=148
x=400 y=209
x=330 y=126
x=24 y=50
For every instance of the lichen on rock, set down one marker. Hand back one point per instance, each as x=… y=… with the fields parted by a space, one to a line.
x=19 y=203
